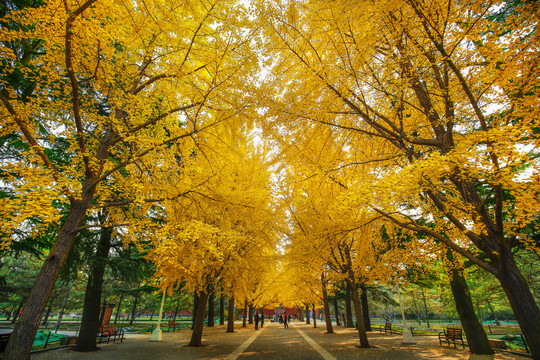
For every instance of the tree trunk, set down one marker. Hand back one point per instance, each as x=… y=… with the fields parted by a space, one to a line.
x=16 y=315
x=46 y=317
x=365 y=307
x=195 y=308
x=175 y=310
x=250 y=314
x=476 y=336
x=196 y=335
x=362 y=335
x=348 y=310
x=425 y=307
x=92 y=298
x=329 y=328
x=62 y=309
x=336 y=311
x=245 y=313
x=493 y=313
x=118 y=308
x=211 y=311
x=134 y=308
x=314 y=316
x=230 y=318
x=307 y=315
x=22 y=338
x=222 y=308
x=522 y=302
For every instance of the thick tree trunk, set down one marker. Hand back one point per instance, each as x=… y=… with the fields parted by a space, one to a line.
x=222 y=308
x=522 y=302
x=336 y=311
x=362 y=335
x=22 y=338
x=425 y=308
x=300 y=314
x=244 y=320
x=62 y=309
x=476 y=336
x=196 y=335
x=92 y=299
x=348 y=309
x=365 y=307
x=230 y=318
x=211 y=311
x=329 y=328
x=314 y=316
x=118 y=308
x=250 y=314
x=308 y=321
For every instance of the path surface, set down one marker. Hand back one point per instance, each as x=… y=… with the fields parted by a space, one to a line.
x=298 y=342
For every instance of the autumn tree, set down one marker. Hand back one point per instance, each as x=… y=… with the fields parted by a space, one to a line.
x=450 y=89
x=115 y=91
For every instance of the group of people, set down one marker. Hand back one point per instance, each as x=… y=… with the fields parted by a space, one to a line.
x=282 y=318
x=257 y=318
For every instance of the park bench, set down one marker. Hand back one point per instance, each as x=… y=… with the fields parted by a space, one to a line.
x=110 y=332
x=172 y=325
x=451 y=334
x=387 y=328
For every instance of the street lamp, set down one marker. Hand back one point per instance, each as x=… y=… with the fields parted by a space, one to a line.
x=407 y=336
x=156 y=335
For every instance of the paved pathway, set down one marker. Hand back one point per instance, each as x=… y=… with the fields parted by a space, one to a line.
x=298 y=342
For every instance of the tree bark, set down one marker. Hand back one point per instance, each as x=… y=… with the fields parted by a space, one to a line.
x=22 y=338
x=16 y=315
x=62 y=309
x=245 y=313
x=134 y=308
x=522 y=302
x=195 y=308
x=336 y=310
x=250 y=314
x=314 y=316
x=90 y=322
x=196 y=335
x=222 y=308
x=365 y=307
x=425 y=308
x=348 y=309
x=211 y=310
x=476 y=335
x=308 y=321
x=362 y=335
x=300 y=314
x=329 y=328
x=230 y=318
x=493 y=312
x=118 y=308
x=46 y=316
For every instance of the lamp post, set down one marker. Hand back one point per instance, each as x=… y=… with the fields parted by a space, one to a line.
x=156 y=335
x=407 y=336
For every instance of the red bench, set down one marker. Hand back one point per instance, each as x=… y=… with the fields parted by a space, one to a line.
x=451 y=334
x=110 y=332
x=387 y=328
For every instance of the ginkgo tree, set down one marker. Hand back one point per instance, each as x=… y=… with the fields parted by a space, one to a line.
x=450 y=89
x=112 y=83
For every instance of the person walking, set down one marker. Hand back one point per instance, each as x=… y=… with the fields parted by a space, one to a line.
x=256 y=321
x=285 y=324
